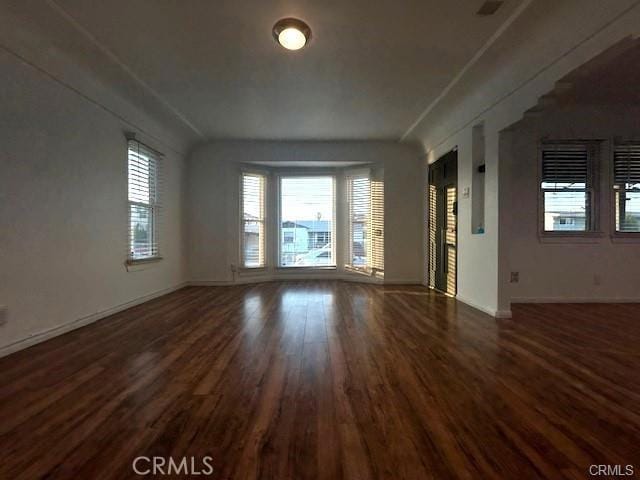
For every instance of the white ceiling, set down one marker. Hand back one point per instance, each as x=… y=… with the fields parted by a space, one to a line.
x=370 y=70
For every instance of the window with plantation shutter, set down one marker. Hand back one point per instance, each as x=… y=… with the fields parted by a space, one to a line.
x=365 y=197
x=626 y=187
x=253 y=220
x=143 y=174
x=377 y=226
x=359 y=201
x=567 y=187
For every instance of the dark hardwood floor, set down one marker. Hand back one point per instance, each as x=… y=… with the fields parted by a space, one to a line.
x=328 y=380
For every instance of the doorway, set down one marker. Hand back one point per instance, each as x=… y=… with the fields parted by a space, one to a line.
x=443 y=223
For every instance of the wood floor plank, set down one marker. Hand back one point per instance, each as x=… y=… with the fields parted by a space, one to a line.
x=328 y=380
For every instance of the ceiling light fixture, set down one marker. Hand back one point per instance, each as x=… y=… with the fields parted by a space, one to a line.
x=291 y=33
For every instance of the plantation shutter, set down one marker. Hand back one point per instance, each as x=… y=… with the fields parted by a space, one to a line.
x=565 y=164
x=626 y=163
x=144 y=185
x=377 y=226
x=366 y=222
x=253 y=220
x=359 y=195
x=626 y=187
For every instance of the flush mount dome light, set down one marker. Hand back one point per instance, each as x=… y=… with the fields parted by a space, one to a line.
x=291 y=33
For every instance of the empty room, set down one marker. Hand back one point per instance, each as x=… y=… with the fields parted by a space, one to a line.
x=319 y=240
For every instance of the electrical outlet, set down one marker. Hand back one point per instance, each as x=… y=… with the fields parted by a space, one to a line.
x=515 y=277
x=234 y=268
x=597 y=280
x=3 y=314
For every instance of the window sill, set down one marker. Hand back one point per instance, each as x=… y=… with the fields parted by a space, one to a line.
x=302 y=268
x=630 y=237
x=252 y=270
x=359 y=271
x=569 y=238
x=139 y=261
x=140 y=264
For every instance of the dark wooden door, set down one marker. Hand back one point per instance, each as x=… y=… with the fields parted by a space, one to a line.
x=443 y=223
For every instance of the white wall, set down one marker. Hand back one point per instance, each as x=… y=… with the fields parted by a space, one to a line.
x=595 y=269
x=477 y=253
x=63 y=213
x=213 y=174
x=535 y=51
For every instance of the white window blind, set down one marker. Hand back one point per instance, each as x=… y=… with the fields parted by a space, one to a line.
x=307 y=222
x=567 y=187
x=432 y=199
x=377 y=226
x=253 y=220
x=144 y=182
x=626 y=185
x=359 y=201
x=366 y=222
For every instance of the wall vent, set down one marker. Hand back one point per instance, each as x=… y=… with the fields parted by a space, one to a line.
x=489 y=7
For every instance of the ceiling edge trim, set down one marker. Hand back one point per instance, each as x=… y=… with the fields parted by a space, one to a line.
x=91 y=100
x=551 y=64
x=496 y=35
x=113 y=57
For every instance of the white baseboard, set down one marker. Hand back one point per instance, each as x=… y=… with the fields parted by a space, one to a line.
x=490 y=311
x=574 y=300
x=43 y=335
x=347 y=277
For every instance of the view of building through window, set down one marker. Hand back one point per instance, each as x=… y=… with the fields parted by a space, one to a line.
x=628 y=208
x=307 y=221
x=565 y=208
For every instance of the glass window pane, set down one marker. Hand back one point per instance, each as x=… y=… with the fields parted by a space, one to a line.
x=253 y=233
x=307 y=216
x=565 y=211
x=141 y=232
x=628 y=211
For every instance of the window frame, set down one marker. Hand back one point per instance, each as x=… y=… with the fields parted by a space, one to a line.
x=591 y=188
x=305 y=173
x=265 y=219
x=615 y=233
x=153 y=207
